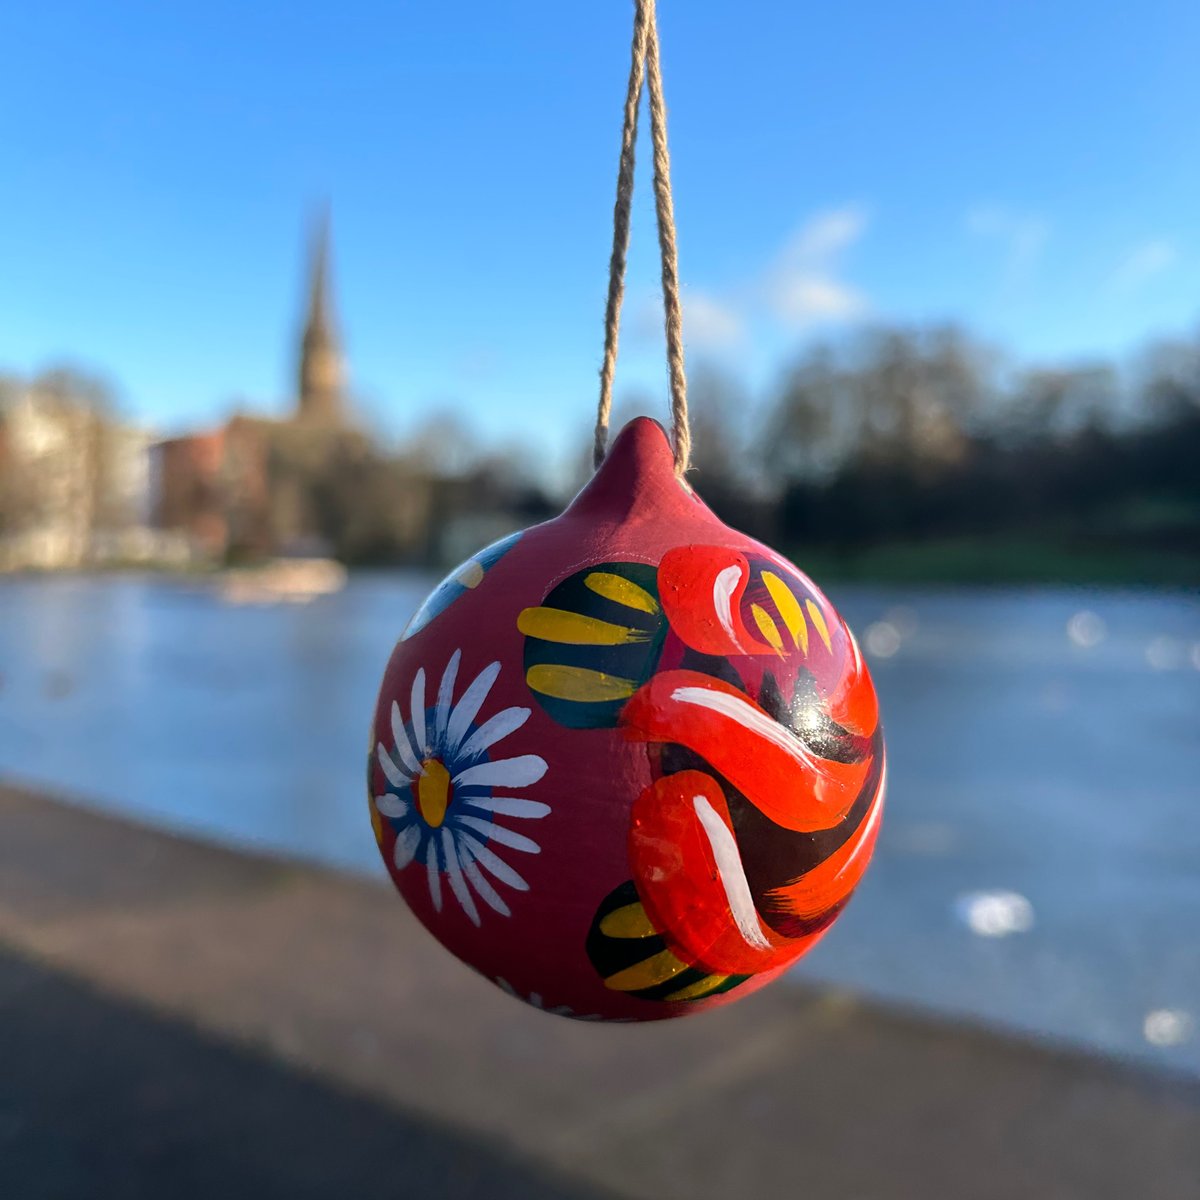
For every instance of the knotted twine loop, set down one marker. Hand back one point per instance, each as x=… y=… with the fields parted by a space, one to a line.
x=645 y=67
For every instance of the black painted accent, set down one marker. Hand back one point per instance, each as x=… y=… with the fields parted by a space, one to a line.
x=609 y=955
x=636 y=661
x=812 y=724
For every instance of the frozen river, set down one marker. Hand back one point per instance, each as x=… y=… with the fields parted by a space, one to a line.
x=1039 y=865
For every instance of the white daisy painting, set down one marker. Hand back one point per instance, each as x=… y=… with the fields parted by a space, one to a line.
x=450 y=794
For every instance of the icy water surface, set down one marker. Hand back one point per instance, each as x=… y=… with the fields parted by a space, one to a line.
x=1039 y=865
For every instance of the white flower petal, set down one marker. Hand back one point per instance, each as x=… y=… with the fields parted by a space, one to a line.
x=487 y=893
x=435 y=878
x=495 y=866
x=407 y=842
x=490 y=732
x=508 y=806
x=391 y=805
x=395 y=776
x=458 y=885
x=403 y=746
x=497 y=833
x=506 y=772
x=417 y=713
x=469 y=705
x=445 y=699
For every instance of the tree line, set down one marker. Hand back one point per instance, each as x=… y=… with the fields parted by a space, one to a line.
x=891 y=442
x=926 y=436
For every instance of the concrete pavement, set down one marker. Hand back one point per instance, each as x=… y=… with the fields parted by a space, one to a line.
x=178 y=1019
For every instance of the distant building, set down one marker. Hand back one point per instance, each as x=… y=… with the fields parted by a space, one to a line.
x=52 y=464
x=74 y=482
x=308 y=484
x=190 y=495
x=128 y=496
x=320 y=398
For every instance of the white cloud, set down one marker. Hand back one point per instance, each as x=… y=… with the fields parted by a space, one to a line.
x=826 y=234
x=708 y=323
x=806 y=299
x=1023 y=236
x=1142 y=263
x=802 y=287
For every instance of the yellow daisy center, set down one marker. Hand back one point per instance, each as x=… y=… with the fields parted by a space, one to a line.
x=433 y=792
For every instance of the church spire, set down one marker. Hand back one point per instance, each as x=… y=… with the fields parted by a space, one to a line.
x=320 y=392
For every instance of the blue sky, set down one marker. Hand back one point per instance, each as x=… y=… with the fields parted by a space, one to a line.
x=1031 y=170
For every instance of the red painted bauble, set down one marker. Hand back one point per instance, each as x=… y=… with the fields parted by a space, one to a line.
x=627 y=764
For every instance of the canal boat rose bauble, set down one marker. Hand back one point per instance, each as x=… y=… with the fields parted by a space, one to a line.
x=627 y=764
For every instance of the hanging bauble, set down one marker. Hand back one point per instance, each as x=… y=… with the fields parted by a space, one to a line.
x=627 y=764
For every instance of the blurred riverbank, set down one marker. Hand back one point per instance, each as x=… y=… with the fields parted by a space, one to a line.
x=331 y=1048
x=1069 y=561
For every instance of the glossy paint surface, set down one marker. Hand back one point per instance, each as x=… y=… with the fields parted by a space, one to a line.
x=629 y=761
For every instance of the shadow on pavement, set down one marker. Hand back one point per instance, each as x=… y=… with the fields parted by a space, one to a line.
x=101 y=1099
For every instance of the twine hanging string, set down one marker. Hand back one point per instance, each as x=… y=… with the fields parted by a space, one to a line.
x=645 y=67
